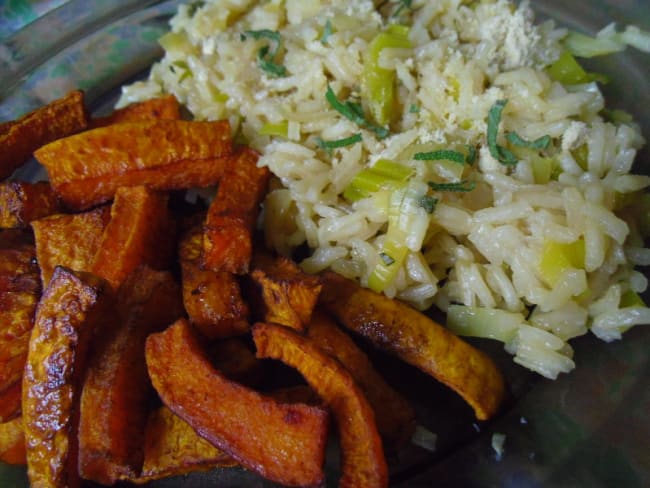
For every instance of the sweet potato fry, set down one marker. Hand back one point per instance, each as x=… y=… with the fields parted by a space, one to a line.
x=282 y=442
x=286 y=295
x=236 y=361
x=362 y=454
x=55 y=120
x=69 y=240
x=10 y=401
x=172 y=448
x=73 y=305
x=394 y=415
x=116 y=391
x=418 y=340
x=22 y=202
x=228 y=240
x=140 y=232
x=87 y=168
x=212 y=298
x=12 y=442
x=164 y=107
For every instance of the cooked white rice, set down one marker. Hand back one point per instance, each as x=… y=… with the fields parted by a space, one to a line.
x=483 y=249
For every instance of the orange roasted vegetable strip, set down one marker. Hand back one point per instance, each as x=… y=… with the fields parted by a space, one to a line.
x=228 y=240
x=69 y=240
x=236 y=361
x=10 y=401
x=117 y=390
x=396 y=327
x=88 y=168
x=362 y=455
x=284 y=294
x=140 y=232
x=12 y=442
x=212 y=298
x=22 y=202
x=394 y=415
x=164 y=107
x=172 y=448
x=20 y=138
x=73 y=306
x=282 y=442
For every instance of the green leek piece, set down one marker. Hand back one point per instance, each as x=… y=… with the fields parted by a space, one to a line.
x=581 y=156
x=568 y=71
x=383 y=175
x=281 y=129
x=585 y=46
x=176 y=42
x=559 y=257
x=378 y=84
x=631 y=299
x=384 y=273
x=491 y=323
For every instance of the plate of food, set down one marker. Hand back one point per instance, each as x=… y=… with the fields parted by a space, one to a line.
x=325 y=243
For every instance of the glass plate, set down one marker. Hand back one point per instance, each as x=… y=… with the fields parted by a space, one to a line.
x=588 y=428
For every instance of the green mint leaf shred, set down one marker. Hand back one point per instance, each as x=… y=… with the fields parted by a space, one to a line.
x=193 y=7
x=501 y=154
x=266 y=55
x=428 y=203
x=386 y=258
x=327 y=32
x=354 y=112
x=441 y=155
x=540 y=143
x=461 y=186
x=471 y=155
x=402 y=5
x=347 y=141
x=414 y=109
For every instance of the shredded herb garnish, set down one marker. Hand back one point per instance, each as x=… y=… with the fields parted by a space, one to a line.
x=500 y=153
x=386 y=258
x=471 y=155
x=428 y=203
x=540 y=143
x=354 y=112
x=414 y=109
x=462 y=186
x=402 y=5
x=327 y=32
x=441 y=155
x=347 y=141
x=193 y=7
x=266 y=55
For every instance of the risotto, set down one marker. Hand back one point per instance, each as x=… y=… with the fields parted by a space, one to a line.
x=447 y=153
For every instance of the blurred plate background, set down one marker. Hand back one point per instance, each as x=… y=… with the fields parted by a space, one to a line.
x=590 y=428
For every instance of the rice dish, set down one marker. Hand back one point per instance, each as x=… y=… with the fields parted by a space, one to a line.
x=434 y=151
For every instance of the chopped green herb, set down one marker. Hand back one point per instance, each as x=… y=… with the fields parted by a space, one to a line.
x=428 y=203
x=327 y=32
x=462 y=186
x=266 y=55
x=354 y=112
x=386 y=258
x=401 y=6
x=501 y=154
x=441 y=155
x=414 y=109
x=471 y=155
x=540 y=143
x=193 y=7
x=348 y=141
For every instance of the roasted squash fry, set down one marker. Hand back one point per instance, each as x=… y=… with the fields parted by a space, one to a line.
x=172 y=448
x=284 y=293
x=87 y=169
x=396 y=327
x=116 y=391
x=394 y=415
x=69 y=240
x=10 y=401
x=140 y=232
x=362 y=454
x=22 y=137
x=164 y=107
x=234 y=359
x=282 y=442
x=73 y=306
x=12 y=442
x=21 y=202
x=212 y=298
x=228 y=240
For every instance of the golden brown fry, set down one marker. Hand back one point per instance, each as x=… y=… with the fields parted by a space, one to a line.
x=228 y=231
x=73 y=306
x=69 y=240
x=362 y=455
x=160 y=154
x=285 y=294
x=282 y=442
x=12 y=442
x=140 y=232
x=164 y=107
x=234 y=359
x=10 y=401
x=117 y=390
x=396 y=327
x=394 y=415
x=21 y=202
x=55 y=120
x=212 y=299
x=172 y=448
